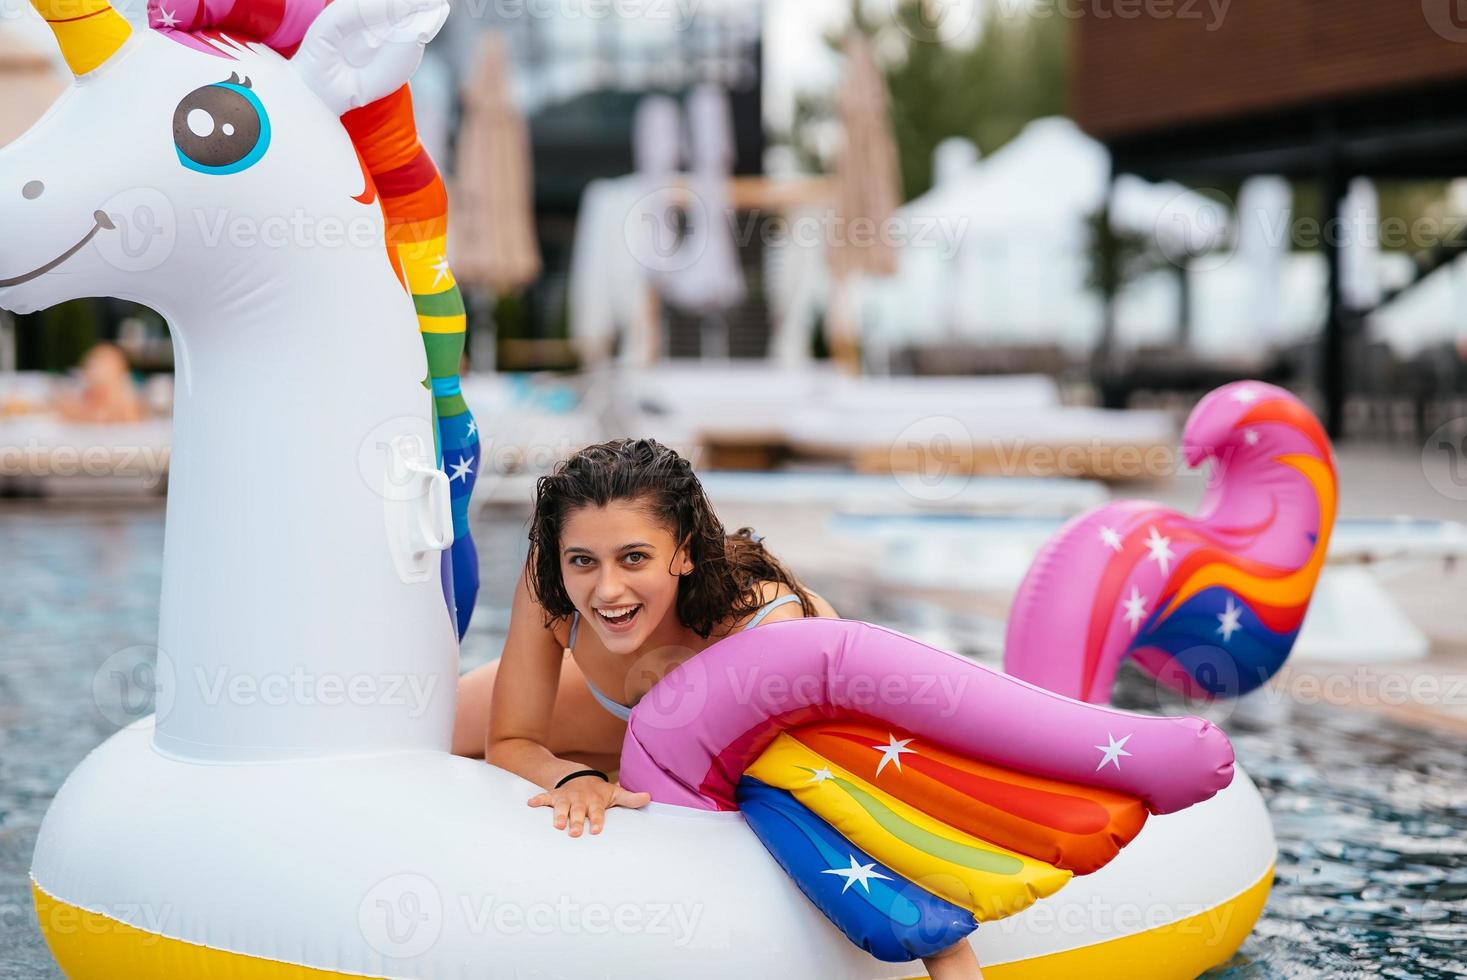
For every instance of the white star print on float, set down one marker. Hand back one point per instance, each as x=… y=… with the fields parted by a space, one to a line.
x=857 y=872
x=892 y=752
x=1110 y=538
x=820 y=775
x=167 y=17
x=462 y=470
x=1135 y=608
x=1111 y=754
x=473 y=428
x=1160 y=548
x=441 y=268
x=1229 y=620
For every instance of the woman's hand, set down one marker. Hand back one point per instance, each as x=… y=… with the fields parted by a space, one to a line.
x=587 y=798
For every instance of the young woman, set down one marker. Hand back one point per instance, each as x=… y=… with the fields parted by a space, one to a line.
x=629 y=574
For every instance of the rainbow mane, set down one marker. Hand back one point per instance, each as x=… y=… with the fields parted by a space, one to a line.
x=414 y=203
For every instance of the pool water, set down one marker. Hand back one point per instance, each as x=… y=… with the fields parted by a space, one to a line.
x=1371 y=816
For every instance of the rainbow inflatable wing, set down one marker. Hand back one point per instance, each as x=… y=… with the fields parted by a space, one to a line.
x=1209 y=605
x=908 y=791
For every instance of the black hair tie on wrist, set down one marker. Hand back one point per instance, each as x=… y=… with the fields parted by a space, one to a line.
x=584 y=772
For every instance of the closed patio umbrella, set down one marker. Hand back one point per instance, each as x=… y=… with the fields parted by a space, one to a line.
x=494 y=248
x=867 y=191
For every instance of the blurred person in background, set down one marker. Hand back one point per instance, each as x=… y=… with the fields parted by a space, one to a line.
x=106 y=393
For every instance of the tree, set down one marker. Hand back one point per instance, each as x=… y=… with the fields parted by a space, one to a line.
x=987 y=90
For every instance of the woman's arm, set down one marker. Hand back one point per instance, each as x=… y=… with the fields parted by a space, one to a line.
x=524 y=696
x=957 y=962
x=519 y=724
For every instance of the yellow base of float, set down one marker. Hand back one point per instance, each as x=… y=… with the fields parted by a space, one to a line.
x=1188 y=948
x=89 y=946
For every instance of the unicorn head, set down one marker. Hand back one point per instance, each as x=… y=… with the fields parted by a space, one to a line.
x=249 y=168
x=173 y=144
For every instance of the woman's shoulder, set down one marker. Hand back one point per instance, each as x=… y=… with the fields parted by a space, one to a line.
x=776 y=592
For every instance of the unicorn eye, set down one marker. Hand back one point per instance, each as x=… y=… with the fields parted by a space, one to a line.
x=221 y=128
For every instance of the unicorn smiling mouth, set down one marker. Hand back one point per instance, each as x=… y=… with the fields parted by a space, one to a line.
x=102 y=223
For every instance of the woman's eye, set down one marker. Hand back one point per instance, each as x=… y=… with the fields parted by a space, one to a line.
x=221 y=128
x=636 y=558
x=579 y=561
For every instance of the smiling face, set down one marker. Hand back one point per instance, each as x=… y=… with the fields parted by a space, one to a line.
x=621 y=568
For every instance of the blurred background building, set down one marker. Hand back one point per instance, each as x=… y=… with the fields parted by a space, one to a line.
x=1133 y=209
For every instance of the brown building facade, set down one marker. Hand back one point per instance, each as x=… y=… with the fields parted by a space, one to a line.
x=1316 y=90
x=1252 y=86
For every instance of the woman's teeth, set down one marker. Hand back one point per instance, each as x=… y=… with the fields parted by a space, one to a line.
x=618 y=615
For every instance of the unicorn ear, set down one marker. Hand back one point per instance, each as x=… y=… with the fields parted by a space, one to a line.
x=359 y=51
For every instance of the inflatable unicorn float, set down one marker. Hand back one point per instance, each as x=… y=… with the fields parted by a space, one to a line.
x=831 y=798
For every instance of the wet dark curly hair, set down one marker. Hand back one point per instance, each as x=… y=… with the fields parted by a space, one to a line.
x=728 y=569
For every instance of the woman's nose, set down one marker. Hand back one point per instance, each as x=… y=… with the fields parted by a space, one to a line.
x=609 y=585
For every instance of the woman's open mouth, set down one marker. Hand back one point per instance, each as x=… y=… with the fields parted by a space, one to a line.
x=101 y=222
x=619 y=619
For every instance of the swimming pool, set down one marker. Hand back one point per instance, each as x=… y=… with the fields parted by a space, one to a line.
x=1371 y=816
